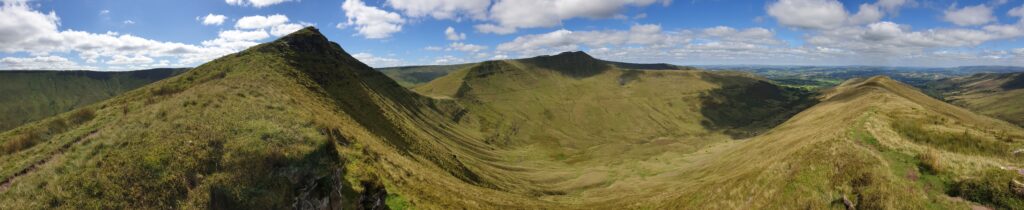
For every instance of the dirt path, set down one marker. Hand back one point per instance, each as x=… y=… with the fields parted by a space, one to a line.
x=6 y=184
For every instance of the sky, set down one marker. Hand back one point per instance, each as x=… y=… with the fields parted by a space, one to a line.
x=116 y=35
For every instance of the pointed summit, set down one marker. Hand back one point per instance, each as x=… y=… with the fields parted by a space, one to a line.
x=308 y=39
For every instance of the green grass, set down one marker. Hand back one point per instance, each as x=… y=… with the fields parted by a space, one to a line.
x=991 y=187
x=298 y=122
x=960 y=142
x=34 y=95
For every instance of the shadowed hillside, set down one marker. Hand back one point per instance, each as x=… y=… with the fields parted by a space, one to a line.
x=1000 y=95
x=33 y=95
x=299 y=123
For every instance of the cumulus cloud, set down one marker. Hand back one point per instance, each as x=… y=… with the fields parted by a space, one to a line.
x=212 y=19
x=376 y=61
x=829 y=14
x=452 y=35
x=24 y=30
x=510 y=15
x=442 y=9
x=255 y=3
x=41 y=63
x=261 y=22
x=448 y=59
x=566 y=40
x=278 y=24
x=458 y=46
x=759 y=36
x=288 y=28
x=1016 y=11
x=125 y=60
x=371 y=22
x=813 y=14
x=970 y=15
x=888 y=38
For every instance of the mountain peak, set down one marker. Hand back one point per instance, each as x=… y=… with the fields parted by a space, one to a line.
x=574 y=54
x=307 y=40
x=575 y=63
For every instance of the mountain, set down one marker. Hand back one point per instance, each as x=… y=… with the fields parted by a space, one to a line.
x=262 y=128
x=999 y=95
x=33 y=95
x=411 y=76
x=299 y=123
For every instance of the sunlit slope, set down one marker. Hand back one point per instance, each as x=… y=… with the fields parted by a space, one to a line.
x=574 y=97
x=997 y=95
x=288 y=123
x=32 y=95
x=411 y=76
x=601 y=136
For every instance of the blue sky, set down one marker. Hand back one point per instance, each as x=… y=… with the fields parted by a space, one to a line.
x=127 y=35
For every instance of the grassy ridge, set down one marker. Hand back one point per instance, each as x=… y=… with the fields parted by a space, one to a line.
x=33 y=95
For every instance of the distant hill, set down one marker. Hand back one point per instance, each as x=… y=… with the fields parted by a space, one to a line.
x=411 y=76
x=300 y=123
x=33 y=95
x=1000 y=95
x=414 y=75
x=829 y=76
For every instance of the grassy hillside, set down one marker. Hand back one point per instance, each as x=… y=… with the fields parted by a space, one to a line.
x=996 y=95
x=298 y=123
x=411 y=76
x=295 y=122
x=34 y=95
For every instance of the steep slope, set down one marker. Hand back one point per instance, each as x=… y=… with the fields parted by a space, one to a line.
x=299 y=123
x=33 y=95
x=296 y=122
x=999 y=95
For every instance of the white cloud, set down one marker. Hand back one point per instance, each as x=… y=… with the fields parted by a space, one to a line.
x=888 y=38
x=376 y=62
x=40 y=63
x=757 y=36
x=495 y=29
x=238 y=35
x=812 y=14
x=104 y=12
x=24 y=30
x=261 y=22
x=452 y=35
x=129 y=22
x=21 y=27
x=371 y=22
x=125 y=60
x=459 y=46
x=285 y=29
x=255 y=3
x=1016 y=12
x=892 y=6
x=969 y=16
x=277 y=24
x=448 y=59
x=510 y=15
x=566 y=40
x=212 y=19
x=830 y=14
x=442 y=9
